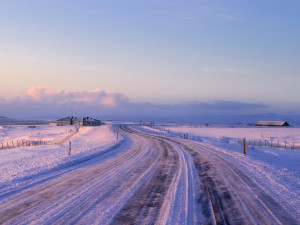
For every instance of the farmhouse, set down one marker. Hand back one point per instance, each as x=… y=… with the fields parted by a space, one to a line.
x=88 y=121
x=85 y=121
x=272 y=123
x=70 y=120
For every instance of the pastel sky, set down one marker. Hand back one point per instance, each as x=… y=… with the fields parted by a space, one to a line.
x=161 y=52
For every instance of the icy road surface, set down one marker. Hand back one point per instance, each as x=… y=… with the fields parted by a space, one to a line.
x=145 y=179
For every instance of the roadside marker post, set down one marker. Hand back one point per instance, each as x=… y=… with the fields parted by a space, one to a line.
x=271 y=144
x=70 y=143
x=117 y=135
x=244 y=146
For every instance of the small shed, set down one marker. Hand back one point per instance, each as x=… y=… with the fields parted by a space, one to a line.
x=272 y=123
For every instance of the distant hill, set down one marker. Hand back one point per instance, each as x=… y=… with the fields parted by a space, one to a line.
x=293 y=120
x=9 y=121
x=3 y=118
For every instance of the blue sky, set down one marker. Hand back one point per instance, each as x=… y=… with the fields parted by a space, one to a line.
x=162 y=52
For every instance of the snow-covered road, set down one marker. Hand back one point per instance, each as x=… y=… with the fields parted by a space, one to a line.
x=145 y=179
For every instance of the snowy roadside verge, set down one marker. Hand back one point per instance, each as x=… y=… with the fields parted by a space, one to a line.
x=25 y=161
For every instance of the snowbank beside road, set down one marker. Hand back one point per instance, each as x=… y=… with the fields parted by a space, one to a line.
x=24 y=161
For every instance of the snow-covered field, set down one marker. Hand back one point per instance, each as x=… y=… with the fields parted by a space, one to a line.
x=288 y=134
x=49 y=133
x=276 y=169
x=23 y=161
x=120 y=178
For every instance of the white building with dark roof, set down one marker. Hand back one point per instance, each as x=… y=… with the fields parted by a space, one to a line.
x=85 y=121
x=272 y=123
x=88 y=121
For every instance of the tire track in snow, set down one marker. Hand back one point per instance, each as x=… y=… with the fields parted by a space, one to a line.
x=231 y=196
x=48 y=175
x=182 y=207
x=177 y=203
x=59 y=192
x=145 y=206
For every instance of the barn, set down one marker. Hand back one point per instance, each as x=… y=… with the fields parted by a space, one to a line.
x=272 y=123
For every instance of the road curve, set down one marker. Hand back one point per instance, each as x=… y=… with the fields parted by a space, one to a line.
x=148 y=179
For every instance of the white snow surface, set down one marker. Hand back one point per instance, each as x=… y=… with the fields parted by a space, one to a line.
x=277 y=170
x=23 y=161
x=289 y=134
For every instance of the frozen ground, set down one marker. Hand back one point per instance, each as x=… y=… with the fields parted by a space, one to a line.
x=288 y=134
x=48 y=133
x=145 y=178
x=24 y=161
x=275 y=169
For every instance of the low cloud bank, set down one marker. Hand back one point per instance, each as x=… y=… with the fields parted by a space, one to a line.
x=38 y=103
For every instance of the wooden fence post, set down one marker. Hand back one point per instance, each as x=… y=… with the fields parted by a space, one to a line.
x=69 y=153
x=244 y=146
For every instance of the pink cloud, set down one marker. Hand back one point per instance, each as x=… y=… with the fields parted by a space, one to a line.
x=95 y=97
x=37 y=102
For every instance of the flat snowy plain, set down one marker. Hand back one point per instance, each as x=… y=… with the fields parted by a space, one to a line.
x=147 y=176
x=17 y=163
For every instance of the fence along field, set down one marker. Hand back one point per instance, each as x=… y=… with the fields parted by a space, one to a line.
x=272 y=143
x=250 y=142
x=22 y=143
